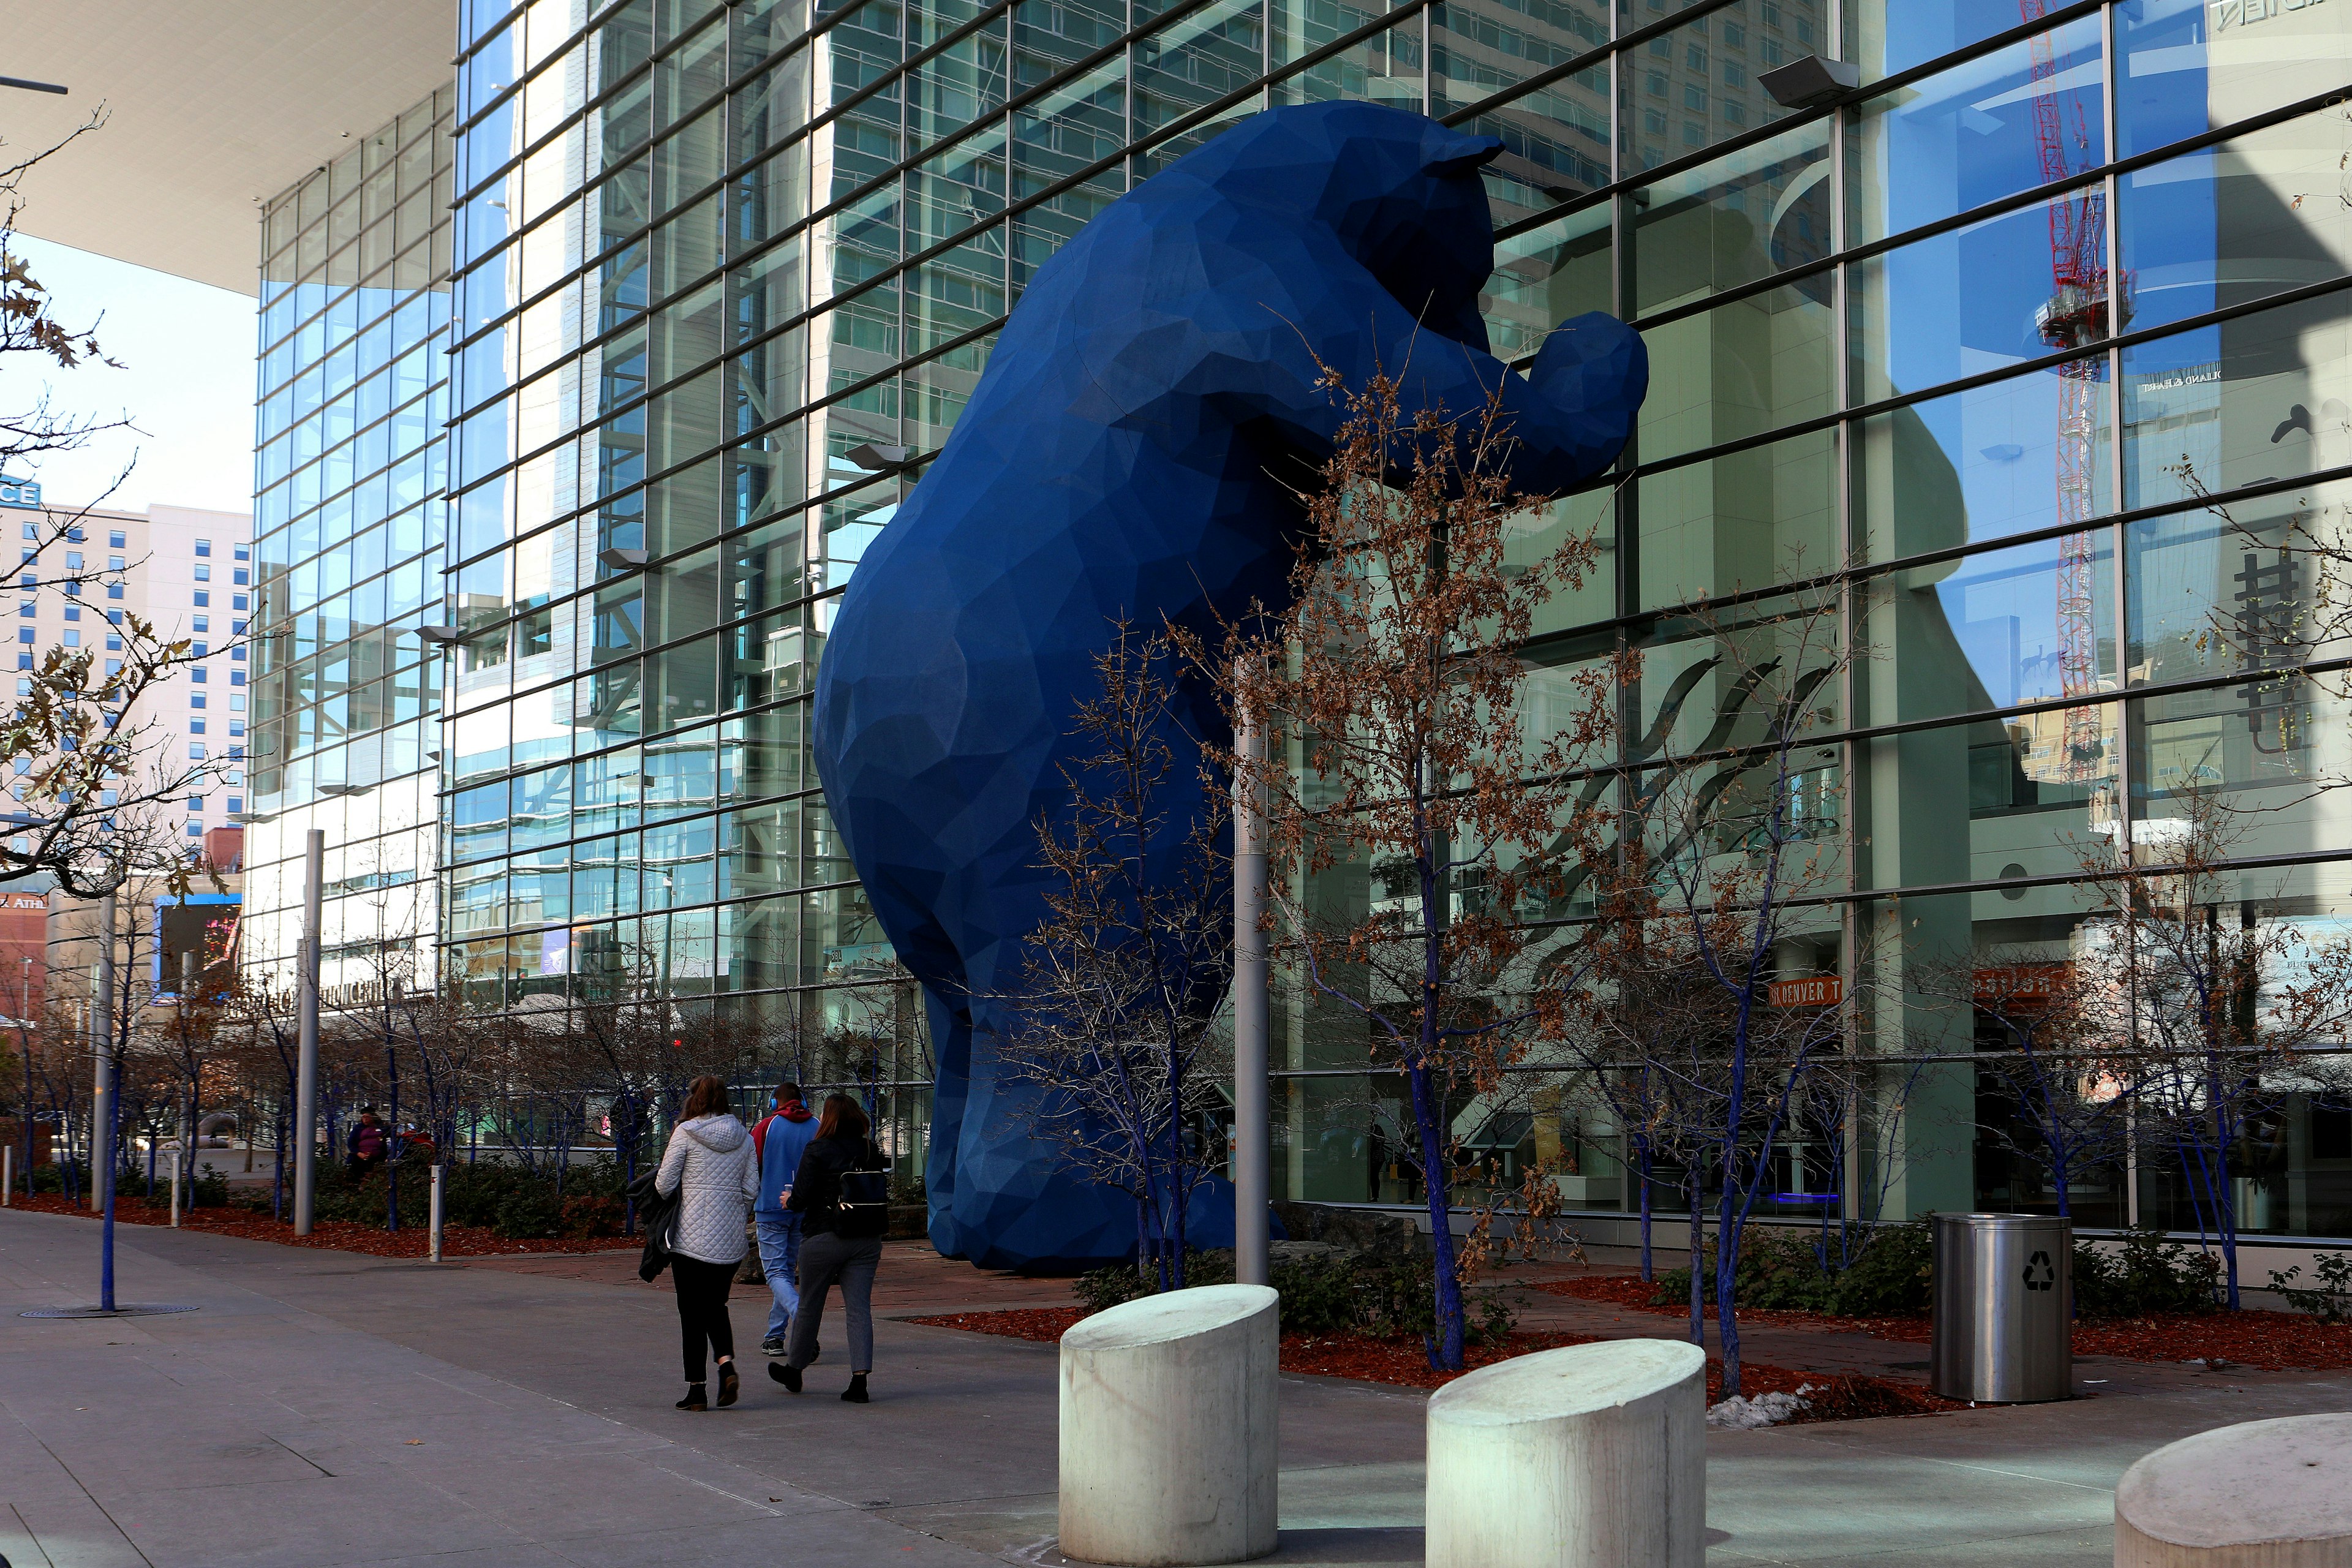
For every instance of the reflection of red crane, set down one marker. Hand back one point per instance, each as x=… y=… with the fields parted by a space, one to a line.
x=2076 y=315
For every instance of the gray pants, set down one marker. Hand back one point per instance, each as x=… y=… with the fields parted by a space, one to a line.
x=852 y=1261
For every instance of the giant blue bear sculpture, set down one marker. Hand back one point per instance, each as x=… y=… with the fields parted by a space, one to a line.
x=1125 y=456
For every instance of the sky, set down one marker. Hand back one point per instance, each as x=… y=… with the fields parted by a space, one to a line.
x=186 y=383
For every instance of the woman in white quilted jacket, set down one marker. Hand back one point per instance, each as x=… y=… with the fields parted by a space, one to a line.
x=708 y=1164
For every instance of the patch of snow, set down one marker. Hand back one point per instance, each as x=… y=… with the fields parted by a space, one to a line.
x=1739 y=1414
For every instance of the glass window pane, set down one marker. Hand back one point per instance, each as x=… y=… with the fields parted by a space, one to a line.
x=1742 y=218
x=1689 y=89
x=2034 y=789
x=2262 y=397
x=1975 y=133
x=2253 y=215
x=1384 y=68
x=2029 y=452
x=1890 y=36
x=1741 y=521
x=1546 y=275
x=2236 y=584
x=1479 y=48
x=1738 y=370
x=2031 y=623
x=2188 y=68
x=1973 y=300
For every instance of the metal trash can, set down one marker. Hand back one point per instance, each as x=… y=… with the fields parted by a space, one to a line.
x=2004 y=1306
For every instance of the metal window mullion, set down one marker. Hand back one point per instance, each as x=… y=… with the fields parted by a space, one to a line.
x=2126 y=724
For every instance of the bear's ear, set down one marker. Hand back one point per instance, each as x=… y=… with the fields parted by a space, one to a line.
x=1464 y=155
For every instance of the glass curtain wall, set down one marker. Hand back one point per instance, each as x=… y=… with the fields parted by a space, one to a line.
x=2026 y=355
x=349 y=521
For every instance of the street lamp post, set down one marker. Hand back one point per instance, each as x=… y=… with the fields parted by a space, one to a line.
x=102 y=1120
x=306 y=1087
x=1252 y=1165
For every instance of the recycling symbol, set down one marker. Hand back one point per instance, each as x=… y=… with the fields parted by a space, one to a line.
x=2041 y=1274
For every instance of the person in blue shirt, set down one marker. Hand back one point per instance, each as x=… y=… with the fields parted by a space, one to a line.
x=781 y=1137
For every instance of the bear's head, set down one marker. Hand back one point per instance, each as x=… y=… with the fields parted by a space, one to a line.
x=1402 y=192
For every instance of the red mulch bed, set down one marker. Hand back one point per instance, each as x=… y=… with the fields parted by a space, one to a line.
x=335 y=1235
x=2271 y=1341
x=1841 y=1397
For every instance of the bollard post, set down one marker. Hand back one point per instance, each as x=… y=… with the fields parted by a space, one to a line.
x=435 y=1219
x=8 y=1168
x=178 y=1155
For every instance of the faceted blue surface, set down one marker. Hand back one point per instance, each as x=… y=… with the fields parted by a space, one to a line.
x=1123 y=456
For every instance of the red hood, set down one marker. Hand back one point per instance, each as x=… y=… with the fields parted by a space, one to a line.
x=794 y=1110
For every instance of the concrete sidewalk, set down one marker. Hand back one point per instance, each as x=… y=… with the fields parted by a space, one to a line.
x=324 y=1408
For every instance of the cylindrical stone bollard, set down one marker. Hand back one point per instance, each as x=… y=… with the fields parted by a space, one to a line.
x=1168 y=1429
x=2264 y=1494
x=1589 y=1456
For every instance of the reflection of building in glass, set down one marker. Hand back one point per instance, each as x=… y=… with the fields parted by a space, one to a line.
x=715 y=281
x=350 y=478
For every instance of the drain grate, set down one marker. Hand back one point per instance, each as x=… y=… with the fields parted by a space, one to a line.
x=137 y=1311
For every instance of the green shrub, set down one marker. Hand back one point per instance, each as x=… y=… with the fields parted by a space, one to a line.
x=2329 y=1300
x=1334 y=1294
x=209 y=1191
x=1782 y=1271
x=2150 y=1275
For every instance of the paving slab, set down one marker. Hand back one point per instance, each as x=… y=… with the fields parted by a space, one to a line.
x=329 y=1409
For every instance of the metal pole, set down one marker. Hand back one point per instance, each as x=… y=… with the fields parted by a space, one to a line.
x=110 y=1076
x=1252 y=1131
x=102 y=1118
x=8 y=1167
x=306 y=1089
x=435 y=1217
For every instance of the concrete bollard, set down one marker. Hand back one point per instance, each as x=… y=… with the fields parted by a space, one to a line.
x=1589 y=1456
x=1168 y=1429
x=2262 y=1494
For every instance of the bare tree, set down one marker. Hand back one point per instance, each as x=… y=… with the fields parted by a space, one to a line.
x=1121 y=982
x=1737 y=831
x=1396 y=680
x=85 y=751
x=2225 y=1003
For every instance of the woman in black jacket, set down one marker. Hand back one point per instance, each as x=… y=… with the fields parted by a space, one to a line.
x=842 y=1197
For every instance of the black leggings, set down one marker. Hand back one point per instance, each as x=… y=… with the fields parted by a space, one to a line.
x=702 y=1310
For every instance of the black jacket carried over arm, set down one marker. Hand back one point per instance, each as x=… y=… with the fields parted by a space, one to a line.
x=816 y=1186
x=657 y=1211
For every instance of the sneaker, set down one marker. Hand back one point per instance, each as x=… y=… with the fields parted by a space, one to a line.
x=773 y=1347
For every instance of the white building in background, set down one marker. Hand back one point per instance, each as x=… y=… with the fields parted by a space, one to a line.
x=188 y=572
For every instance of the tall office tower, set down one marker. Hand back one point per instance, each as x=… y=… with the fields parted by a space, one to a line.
x=350 y=518
x=2030 y=351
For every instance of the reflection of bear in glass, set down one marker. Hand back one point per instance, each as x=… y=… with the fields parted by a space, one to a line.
x=1127 y=454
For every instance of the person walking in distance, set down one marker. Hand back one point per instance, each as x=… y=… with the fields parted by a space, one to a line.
x=841 y=1193
x=781 y=1138
x=709 y=1165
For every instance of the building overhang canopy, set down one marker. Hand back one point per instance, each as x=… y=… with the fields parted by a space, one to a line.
x=211 y=108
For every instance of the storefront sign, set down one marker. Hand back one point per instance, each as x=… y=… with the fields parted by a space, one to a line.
x=1811 y=991
x=2030 y=985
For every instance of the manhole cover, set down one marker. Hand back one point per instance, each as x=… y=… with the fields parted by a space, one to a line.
x=149 y=1312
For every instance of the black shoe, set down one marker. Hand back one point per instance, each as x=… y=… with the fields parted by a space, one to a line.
x=729 y=1385
x=694 y=1399
x=774 y=1347
x=786 y=1374
x=856 y=1393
